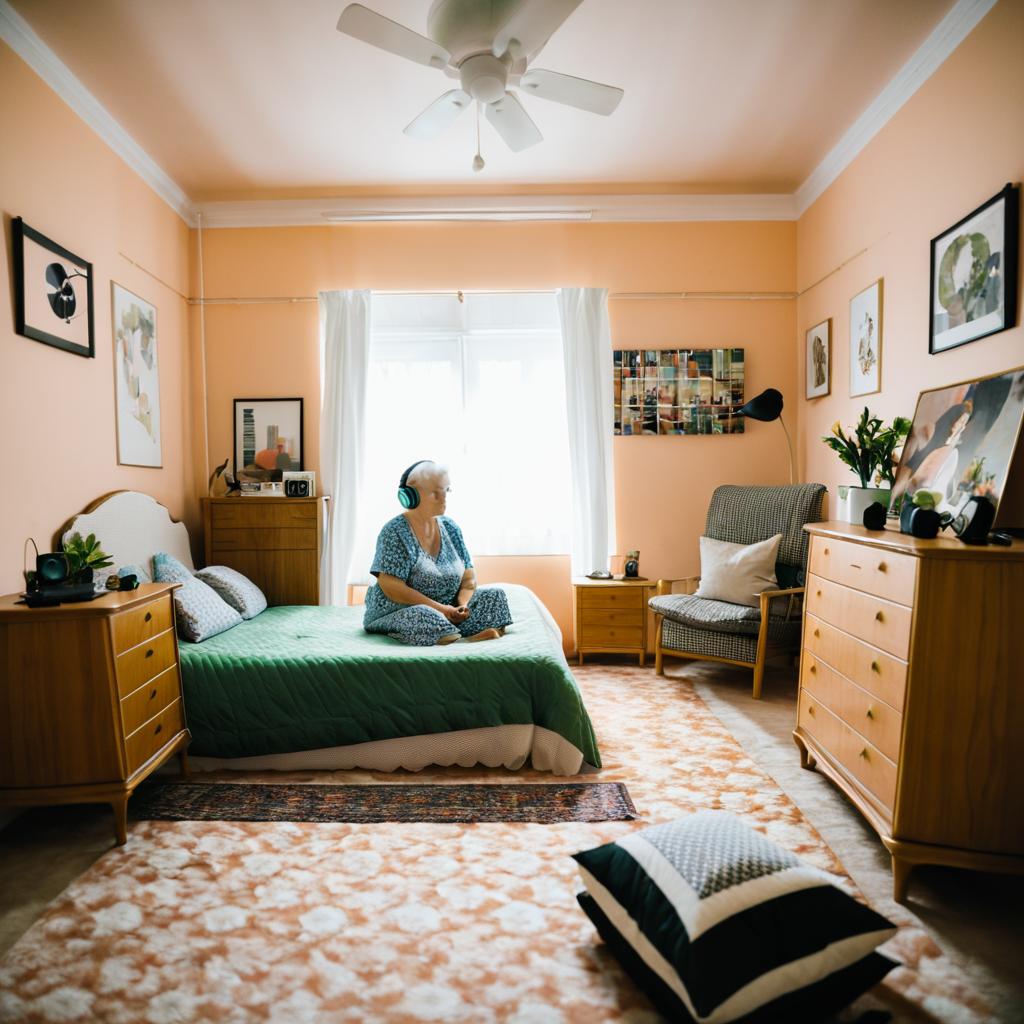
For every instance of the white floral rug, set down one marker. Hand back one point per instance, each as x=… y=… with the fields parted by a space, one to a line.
x=231 y=921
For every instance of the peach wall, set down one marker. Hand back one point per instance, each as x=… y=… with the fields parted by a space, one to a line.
x=662 y=483
x=57 y=409
x=954 y=145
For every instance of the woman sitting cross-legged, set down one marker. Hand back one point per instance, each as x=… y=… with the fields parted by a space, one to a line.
x=426 y=589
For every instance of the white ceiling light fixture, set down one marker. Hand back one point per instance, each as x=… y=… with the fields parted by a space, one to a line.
x=488 y=46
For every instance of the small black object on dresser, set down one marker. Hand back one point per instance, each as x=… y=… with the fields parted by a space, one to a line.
x=874 y=516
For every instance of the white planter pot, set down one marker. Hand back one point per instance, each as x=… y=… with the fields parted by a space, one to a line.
x=852 y=501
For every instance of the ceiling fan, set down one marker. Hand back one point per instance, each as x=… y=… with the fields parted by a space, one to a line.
x=488 y=46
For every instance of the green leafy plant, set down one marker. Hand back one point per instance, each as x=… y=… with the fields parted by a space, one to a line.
x=868 y=449
x=85 y=554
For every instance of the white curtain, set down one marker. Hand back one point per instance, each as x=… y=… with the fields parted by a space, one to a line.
x=587 y=355
x=344 y=362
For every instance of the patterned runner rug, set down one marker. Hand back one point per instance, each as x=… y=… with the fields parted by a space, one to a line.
x=539 y=802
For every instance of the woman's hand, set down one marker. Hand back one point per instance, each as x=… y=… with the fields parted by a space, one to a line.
x=454 y=615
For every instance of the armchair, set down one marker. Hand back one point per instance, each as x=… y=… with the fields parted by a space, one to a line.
x=698 y=628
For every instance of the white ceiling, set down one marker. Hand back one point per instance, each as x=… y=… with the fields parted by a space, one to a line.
x=251 y=99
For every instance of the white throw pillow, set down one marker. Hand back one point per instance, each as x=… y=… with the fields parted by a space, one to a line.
x=737 y=573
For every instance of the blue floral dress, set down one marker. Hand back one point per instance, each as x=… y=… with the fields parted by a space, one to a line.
x=399 y=554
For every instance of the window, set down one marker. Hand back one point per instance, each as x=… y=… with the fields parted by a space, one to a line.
x=478 y=386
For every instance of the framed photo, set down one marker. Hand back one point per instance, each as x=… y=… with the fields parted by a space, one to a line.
x=866 y=341
x=819 y=360
x=136 y=379
x=974 y=274
x=268 y=438
x=52 y=292
x=963 y=440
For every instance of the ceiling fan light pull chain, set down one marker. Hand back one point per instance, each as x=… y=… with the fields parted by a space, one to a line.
x=478 y=160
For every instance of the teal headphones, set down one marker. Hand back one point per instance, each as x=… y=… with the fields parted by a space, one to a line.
x=409 y=497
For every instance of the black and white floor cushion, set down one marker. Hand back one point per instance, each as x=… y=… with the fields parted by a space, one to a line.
x=718 y=924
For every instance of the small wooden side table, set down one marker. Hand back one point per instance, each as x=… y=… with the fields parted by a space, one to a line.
x=90 y=699
x=610 y=616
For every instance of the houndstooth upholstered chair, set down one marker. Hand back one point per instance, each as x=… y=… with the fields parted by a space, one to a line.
x=702 y=629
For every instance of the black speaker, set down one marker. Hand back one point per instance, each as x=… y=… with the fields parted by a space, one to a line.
x=925 y=523
x=51 y=568
x=296 y=488
x=974 y=520
x=874 y=516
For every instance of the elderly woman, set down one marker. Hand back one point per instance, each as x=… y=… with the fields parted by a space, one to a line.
x=426 y=589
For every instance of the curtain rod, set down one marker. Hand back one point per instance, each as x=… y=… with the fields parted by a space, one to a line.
x=727 y=296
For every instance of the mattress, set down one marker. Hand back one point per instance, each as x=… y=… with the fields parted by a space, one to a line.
x=304 y=678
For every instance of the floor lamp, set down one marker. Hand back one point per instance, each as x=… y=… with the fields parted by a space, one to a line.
x=766 y=407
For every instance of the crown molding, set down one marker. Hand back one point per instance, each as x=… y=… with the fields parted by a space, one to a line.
x=962 y=17
x=23 y=40
x=595 y=208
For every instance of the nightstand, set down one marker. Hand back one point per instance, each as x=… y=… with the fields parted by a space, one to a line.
x=90 y=699
x=610 y=616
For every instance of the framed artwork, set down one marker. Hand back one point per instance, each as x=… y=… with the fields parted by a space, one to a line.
x=866 y=341
x=677 y=391
x=963 y=440
x=52 y=292
x=268 y=438
x=136 y=379
x=974 y=274
x=819 y=359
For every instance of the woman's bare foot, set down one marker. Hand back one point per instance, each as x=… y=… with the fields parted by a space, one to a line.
x=448 y=638
x=484 y=634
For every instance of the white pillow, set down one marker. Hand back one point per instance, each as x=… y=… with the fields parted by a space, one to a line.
x=737 y=573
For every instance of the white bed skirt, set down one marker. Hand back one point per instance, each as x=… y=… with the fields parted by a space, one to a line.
x=502 y=745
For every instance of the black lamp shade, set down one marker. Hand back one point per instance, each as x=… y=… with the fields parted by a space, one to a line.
x=766 y=406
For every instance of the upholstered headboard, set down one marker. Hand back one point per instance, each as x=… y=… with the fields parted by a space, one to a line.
x=132 y=527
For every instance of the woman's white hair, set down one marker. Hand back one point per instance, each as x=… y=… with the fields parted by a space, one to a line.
x=426 y=471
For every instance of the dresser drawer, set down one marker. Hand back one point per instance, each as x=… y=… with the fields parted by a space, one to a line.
x=611 y=617
x=263 y=538
x=865 y=713
x=880 y=623
x=861 y=759
x=248 y=512
x=133 y=627
x=144 y=661
x=142 y=744
x=879 y=673
x=889 y=575
x=139 y=707
x=611 y=597
x=611 y=636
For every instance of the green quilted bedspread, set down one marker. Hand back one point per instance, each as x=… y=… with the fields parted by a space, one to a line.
x=303 y=677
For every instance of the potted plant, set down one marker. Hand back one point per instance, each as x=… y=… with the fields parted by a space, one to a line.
x=84 y=557
x=869 y=451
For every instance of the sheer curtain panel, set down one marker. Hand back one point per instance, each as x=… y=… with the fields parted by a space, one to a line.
x=587 y=355
x=344 y=362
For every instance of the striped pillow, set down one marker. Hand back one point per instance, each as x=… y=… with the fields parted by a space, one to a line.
x=718 y=924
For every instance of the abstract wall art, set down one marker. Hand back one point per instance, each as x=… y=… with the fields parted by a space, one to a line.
x=819 y=360
x=52 y=292
x=268 y=438
x=678 y=391
x=136 y=379
x=866 y=341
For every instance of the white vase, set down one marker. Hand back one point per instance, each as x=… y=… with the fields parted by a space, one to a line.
x=852 y=501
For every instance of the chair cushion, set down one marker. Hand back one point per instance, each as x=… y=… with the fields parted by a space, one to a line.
x=735 y=927
x=737 y=573
x=703 y=613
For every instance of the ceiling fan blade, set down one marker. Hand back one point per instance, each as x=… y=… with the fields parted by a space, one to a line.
x=439 y=115
x=575 y=92
x=513 y=123
x=532 y=24
x=373 y=28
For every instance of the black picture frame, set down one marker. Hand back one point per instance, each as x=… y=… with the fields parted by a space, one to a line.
x=39 y=328
x=1002 y=264
x=297 y=464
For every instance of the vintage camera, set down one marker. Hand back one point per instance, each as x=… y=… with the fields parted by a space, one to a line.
x=299 y=484
x=296 y=488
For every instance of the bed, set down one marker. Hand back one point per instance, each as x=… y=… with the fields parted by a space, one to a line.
x=304 y=687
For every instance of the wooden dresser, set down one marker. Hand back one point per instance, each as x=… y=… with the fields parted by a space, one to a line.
x=90 y=699
x=610 y=616
x=911 y=701
x=276 y=542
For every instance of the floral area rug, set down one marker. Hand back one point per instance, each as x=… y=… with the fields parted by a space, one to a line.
x=547 y=803
x=243 y=921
